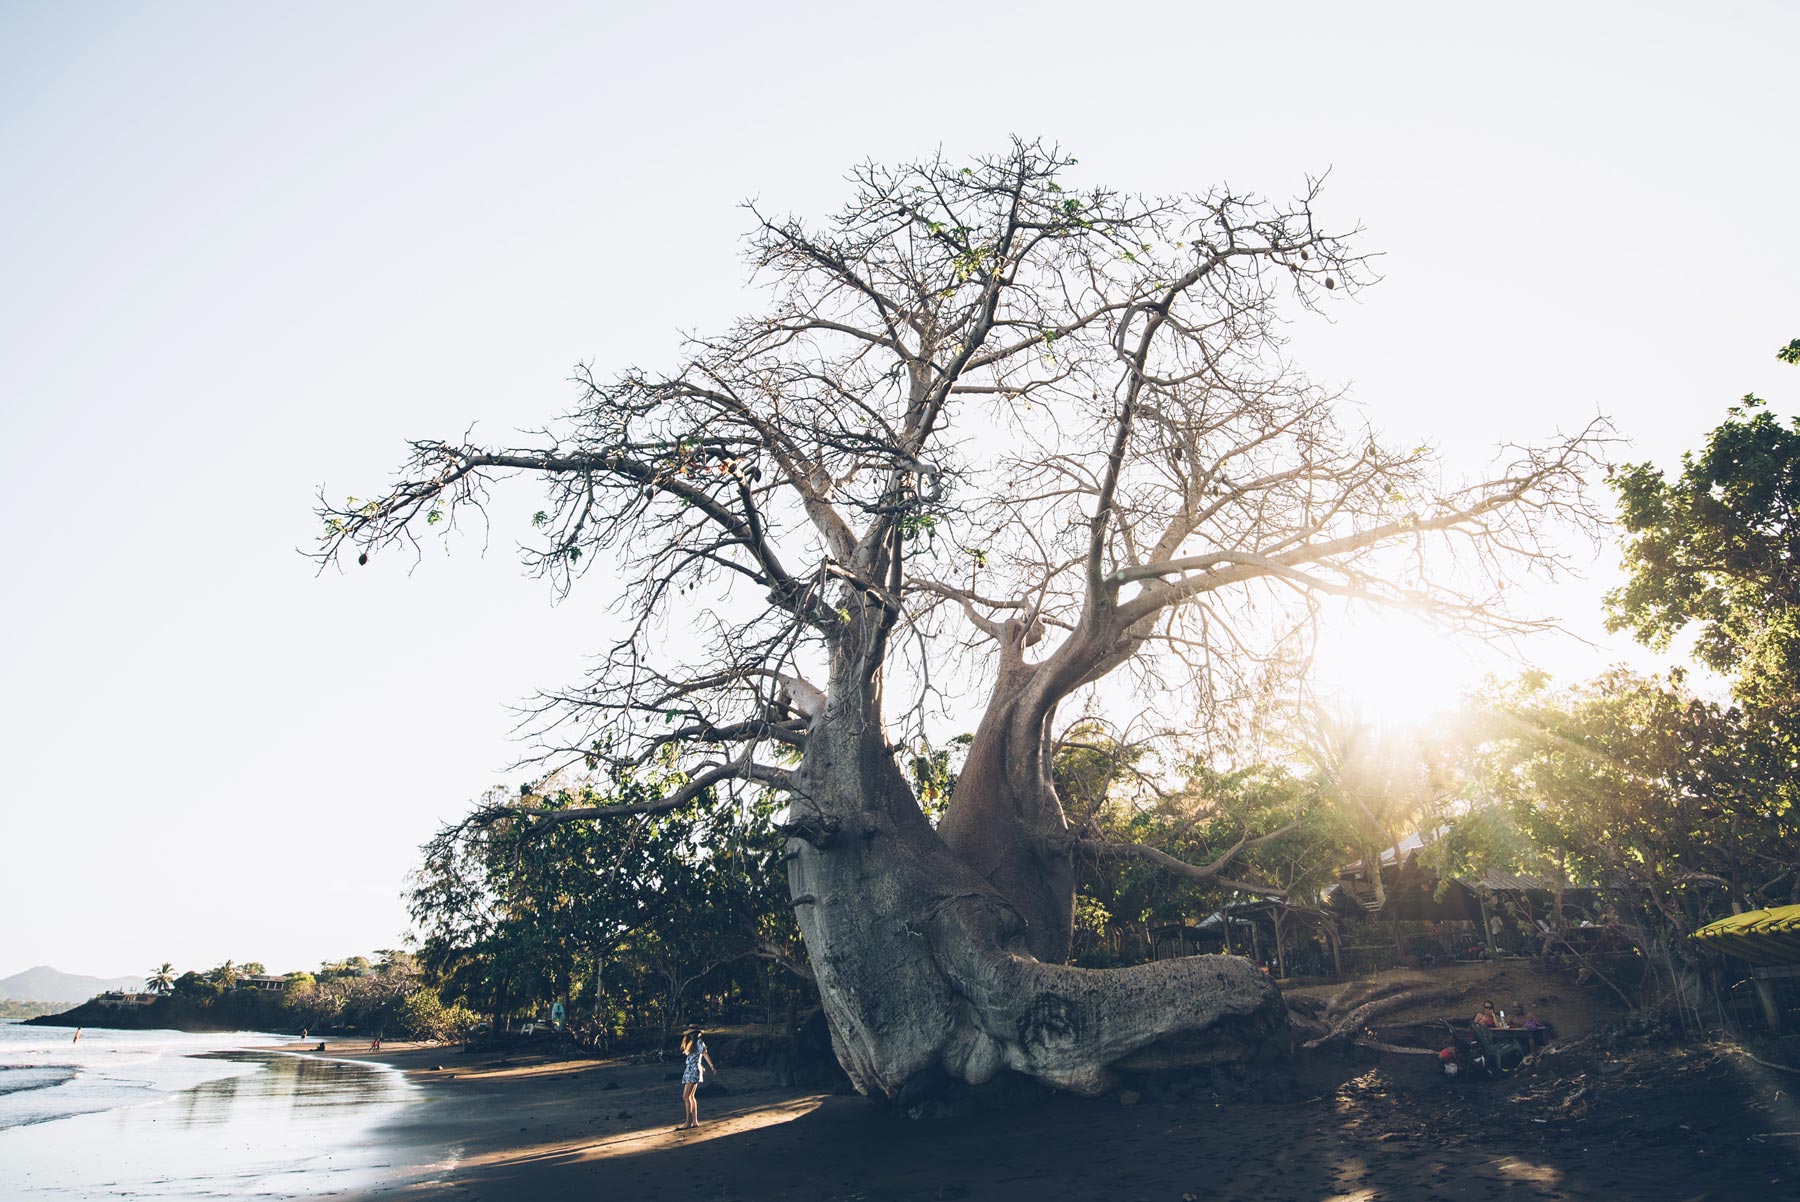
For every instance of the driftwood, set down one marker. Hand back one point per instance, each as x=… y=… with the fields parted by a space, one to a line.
x=1397 y=1048
x=1354 y=993
x=1366 y=1000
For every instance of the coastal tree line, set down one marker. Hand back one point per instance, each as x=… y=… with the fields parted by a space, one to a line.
x=390 y=995
x=1670 y=808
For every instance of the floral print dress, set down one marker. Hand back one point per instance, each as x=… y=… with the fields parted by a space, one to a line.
x=691 y=1072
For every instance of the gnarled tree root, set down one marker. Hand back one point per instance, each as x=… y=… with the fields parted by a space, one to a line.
x=1069 y=1027
x=924 y=974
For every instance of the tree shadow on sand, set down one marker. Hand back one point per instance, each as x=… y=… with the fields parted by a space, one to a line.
x=1373 y=1137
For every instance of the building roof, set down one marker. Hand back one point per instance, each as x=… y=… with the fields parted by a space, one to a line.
x=1495 y=881
x=1241 y=912
x=1491 y=880
x=1397 y=852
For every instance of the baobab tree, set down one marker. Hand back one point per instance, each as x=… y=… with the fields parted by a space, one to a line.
x=987 y=427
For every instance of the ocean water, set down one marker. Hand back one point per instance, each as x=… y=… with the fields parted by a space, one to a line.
x=164 y=1114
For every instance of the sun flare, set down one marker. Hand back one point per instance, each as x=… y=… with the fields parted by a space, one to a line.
x=1392 y=667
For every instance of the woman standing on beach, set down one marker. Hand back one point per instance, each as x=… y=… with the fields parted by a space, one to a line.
x=693 y=1071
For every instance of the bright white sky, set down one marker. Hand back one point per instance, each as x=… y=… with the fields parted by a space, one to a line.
x=246 y=250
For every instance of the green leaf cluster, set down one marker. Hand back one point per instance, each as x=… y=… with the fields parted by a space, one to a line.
x=1674 y=806
x=620 y=919
x=1716 y=548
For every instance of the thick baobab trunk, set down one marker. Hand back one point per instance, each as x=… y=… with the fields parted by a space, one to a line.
x=923 y=964
x=1005 y=822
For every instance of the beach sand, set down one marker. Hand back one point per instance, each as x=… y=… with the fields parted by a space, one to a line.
x=1637 y=1124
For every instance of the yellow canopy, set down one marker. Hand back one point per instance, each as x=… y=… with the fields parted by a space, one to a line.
x=1759 y=936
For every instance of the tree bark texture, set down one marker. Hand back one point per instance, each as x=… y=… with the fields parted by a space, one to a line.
x=1004 y=819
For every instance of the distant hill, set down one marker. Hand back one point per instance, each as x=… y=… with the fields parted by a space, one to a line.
x=46 y=984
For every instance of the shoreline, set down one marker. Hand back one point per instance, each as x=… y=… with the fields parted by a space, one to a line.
x=178 y=1115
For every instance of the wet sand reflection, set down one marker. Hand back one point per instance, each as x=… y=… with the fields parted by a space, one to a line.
x=299 y=1126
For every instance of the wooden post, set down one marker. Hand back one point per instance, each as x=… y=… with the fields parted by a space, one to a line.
x=1280 y=947
x=1765 y=994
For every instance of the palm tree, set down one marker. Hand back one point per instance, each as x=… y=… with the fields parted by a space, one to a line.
x=224 y=976
x=163 y=979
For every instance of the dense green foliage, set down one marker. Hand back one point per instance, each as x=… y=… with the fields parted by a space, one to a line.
x=1717 y=547
x=388 y=997
x=1204 y=816
x=627 y=923
x=422 y=1014
x=1680 y=809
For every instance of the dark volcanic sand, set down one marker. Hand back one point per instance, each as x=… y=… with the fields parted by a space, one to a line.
x=1645 y=1123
